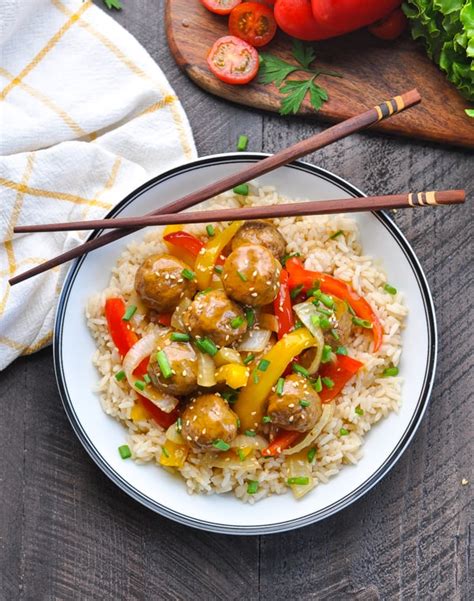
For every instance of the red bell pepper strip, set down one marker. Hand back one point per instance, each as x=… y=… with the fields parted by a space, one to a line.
x=339 y=372
x=185 y=241
x=121 y=332
x=161 y=418
x=284 y=439
x=282 y=306
x=164 y=319
x=299 y=276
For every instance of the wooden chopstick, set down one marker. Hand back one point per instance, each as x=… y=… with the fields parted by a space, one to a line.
x=314 y=207
x=336 y=132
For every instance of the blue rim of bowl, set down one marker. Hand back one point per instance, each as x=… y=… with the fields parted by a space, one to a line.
x=310 y=518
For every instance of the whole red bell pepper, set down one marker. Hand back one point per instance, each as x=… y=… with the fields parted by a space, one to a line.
x=299 y=276
x=342 y=16
x=295 y=18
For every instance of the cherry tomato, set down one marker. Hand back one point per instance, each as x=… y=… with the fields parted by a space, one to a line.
x=232 y=60
x=220 y=7
x=253 y=22
x=295 y=18
x=391 y=27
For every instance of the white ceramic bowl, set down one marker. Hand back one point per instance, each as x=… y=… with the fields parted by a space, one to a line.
x=165 y=494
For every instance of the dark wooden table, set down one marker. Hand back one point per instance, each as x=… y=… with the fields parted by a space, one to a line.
x=66 y=532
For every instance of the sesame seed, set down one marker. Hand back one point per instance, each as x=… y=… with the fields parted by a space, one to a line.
x=291 y=418
x=268 y=282
x=187 y=421
x=254 y=294
x=252 y=288
x=254 y=274
x=253 y=413
x=188 y=437
x=291 y=405
x=194 y=418
x=204 y=430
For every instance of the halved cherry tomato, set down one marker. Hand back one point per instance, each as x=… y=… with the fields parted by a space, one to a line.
x=391 y=27
x=253 y=22
x=295 y=18
x=220 y=7
x=232 y=60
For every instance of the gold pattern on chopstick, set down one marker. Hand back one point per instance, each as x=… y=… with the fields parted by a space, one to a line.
x=410 y=200
x=431 y=198
x=389 y=107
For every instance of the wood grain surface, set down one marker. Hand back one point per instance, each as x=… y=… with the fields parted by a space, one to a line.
x=67 y=533
x=372 y=71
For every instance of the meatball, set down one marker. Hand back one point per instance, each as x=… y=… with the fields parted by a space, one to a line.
x=263 y=233
x=299 y=407
x=213 y=315
x=160 y=283
x=182 y=360
x=251 y=275
x=208 y=419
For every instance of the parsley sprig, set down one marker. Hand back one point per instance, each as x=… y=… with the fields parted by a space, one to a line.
x=113 y=4
x=276 y=70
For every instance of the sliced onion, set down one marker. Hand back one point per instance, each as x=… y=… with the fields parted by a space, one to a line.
x=206 y=370
x=229 y=460
x=298 y=467
x=140 y=351
x=255 y=341
x=328 y=412
x=254 y=442
x=227 y=355
x=177 y=317
x=267 y=321
x=173 y=435
x=305 y=311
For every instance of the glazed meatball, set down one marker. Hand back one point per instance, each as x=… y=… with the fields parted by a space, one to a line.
x=251 y=275
x=263 y=233
x=213 y=315
x=299 y=407
x=160 y=283
x=183 y=361
x=208 y=419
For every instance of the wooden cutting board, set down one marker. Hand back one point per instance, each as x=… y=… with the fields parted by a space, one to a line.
x=372 y=71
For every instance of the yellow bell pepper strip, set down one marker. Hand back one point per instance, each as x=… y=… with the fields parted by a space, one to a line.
x=251 y=403
x=233 y=374
x=208 y=256
x=173 y=455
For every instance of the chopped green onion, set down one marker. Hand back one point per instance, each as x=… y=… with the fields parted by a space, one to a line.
x=180 y=337
x=252 y=487
x=140 y=385
x=335 y=334
x=312 y=291
x=218 y=269
x=318 y=385
x=298 y=325
x=296 y=291
x=324 y=323
x=300 y=481
x=188 y=274
x=205 y=345
x=350 y=309
x=238 y=423
x=335 y=235
x=242 y=143
x=120 y=375
x=279 y=386
x=341 y=350
x=363 y=323
x=249 y=358
x=125 y=451
x=359 y=410
x=242 y=276
x=210 y=230
x=241 y=454
x=299 y=369
x=165 y=452
x=327 y=352
x=343 y=432
x=221 y=445
x=311 y=455
x=327 y=300
x=147 y=378
x=304 y=403
x=266 y=419
x=164 y=364
x=255 y=377
x=289 y=256
x=316 y=320
x=390 y=289
x=129 y=313
x=179 y=425
x=205 y=291
x=263 y=365
x=250 y=317
x=390 y=371
x=328 y=382
x=322 y=310
x=237 y=322
x=243 y=190
x=250 y=433
x=230 y=396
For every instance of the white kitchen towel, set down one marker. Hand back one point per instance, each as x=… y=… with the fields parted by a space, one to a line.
x=86 y=116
